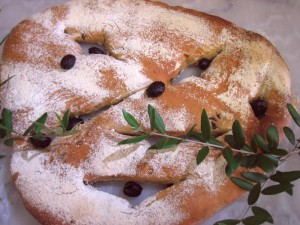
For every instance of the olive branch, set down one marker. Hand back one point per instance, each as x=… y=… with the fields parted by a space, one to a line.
x=261 y=153
x=37 y=133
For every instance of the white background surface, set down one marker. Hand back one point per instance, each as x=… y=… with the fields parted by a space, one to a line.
x=278 y=20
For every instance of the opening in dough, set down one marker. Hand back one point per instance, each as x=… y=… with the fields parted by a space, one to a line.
x=116 y=188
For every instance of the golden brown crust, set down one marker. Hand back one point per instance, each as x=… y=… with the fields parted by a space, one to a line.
x=141 y=49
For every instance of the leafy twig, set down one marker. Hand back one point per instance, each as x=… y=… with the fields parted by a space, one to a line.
x=270 y=158
x=265 y=181
x=36 y=131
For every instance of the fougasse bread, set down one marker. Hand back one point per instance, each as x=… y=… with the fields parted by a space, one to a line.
x=148 y=44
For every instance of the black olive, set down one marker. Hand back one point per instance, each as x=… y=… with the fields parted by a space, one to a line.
x=204 y=63
x=132 y=189
x=95 y=50
x=73 y=121
x=155 y=89
x=67 y=62
x=259 y=108
x=213 y=125
x=40 y=143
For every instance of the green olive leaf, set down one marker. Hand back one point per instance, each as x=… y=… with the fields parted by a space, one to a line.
x=5 y=128
x=164 y=143
x=254 y=220
x=7 y=120
x=41 y=120
x=258 y=211
x=211 y=140
x=205 y=126
x=130 y=119
x=253 y=145
x=160 y=144
x=285 y=177
x=2 y=130
x=272 y=137
x=151 y=116
x=202 y=154
x=255 y=177
x=247 y=148
x=59 y=131
x=2 y=156
x=254 y=194
x=230 y=140
x=229 y=157
x=215 y=141
x=289 y=133
x=60 y=121
x=9 y=142
x=294 y=114
x=238 y=134
x=134 y=139
x=289 y=190
x=43 y=128
x=243 y=184
x=156 y=121
x=238 y=158
x=279 y=152
x=278 y=188
x=261 y=143
x=198 y=136
x=65 y=120
x=273 y=159
x=159 y=124
x=265 y=163
x=249 y=161
x=190 y=132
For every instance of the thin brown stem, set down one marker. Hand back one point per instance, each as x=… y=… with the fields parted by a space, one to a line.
x=293 y=151
x=195 y=142
x=245 y=213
